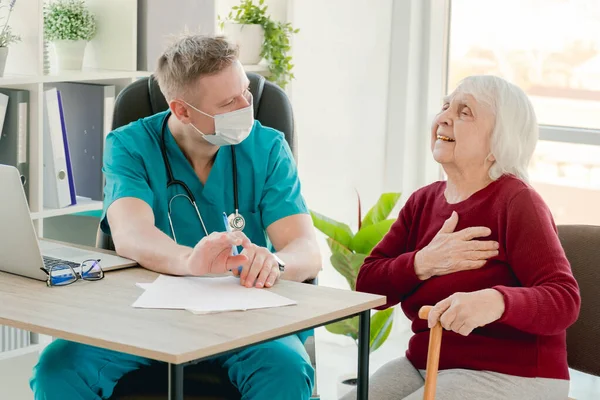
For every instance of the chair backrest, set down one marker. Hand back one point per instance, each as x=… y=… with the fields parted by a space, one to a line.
x=582 y=247
x=143 y=98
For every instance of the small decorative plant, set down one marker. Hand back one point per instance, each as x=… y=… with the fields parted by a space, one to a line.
x=276 y=43
x=6 y=35
x=68 y=20
x=348 y=252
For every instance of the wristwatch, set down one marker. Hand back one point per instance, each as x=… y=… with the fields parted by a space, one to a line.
x=280 y=262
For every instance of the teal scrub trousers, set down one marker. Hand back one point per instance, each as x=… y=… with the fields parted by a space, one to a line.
x=279 y=369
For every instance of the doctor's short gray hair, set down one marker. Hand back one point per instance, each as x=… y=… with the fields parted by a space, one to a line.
x=516 y=130
x=191 y=57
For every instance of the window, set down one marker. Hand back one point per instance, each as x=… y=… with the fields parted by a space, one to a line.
x=551 y=49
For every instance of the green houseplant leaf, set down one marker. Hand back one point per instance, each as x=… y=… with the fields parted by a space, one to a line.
x=381 y=326
x=339 y=232
x=348 y=253
x=368 y=237
x=276 y=45
x=346 y=327
x=336 y=247
x=343 y=264
x=69 y=20
x=382 y=209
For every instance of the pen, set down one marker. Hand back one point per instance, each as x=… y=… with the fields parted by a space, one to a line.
x=234 y=249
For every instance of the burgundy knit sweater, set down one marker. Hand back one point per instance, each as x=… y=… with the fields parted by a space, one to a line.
x=531 y=271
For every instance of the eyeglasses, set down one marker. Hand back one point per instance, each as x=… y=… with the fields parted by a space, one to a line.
x=65 y=274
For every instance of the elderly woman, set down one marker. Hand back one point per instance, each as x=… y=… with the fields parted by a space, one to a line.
x=483 y=248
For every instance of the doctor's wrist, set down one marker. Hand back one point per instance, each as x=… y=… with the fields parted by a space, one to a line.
x=180 y=263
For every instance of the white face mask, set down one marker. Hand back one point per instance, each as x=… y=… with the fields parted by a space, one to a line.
x=230 y=128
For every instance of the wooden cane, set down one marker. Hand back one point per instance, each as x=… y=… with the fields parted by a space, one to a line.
x=433 y=355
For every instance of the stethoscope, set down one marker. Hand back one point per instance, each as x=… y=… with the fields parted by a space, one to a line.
x=236 y=220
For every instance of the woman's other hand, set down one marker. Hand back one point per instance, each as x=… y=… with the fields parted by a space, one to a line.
x=463 y=312
x=451 y=251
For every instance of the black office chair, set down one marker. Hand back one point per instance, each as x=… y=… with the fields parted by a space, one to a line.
x=143 y=98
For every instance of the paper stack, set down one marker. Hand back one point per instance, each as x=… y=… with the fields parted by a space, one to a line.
x=203 y=295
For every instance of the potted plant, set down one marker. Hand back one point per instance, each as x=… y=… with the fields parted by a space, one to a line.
x=6 y=35
x=258 y=37
x=348 y=252
x=69 y=25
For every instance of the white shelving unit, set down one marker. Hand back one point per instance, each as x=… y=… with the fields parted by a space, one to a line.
x=110 y=59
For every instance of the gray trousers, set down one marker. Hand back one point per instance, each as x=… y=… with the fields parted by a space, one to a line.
x=399 y=380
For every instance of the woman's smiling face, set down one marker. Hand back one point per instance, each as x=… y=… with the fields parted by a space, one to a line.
x=461 y=133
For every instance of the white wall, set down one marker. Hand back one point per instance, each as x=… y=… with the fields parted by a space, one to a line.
x=341 y=57
x=159 y=21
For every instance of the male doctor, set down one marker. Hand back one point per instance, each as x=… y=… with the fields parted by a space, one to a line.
x=170 y=179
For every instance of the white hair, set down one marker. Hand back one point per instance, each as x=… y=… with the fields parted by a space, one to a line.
x=516 y=130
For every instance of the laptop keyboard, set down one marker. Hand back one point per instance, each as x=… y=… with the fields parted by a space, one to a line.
x=50 y=262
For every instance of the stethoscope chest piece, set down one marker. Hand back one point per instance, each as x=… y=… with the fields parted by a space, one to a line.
x=236 y=221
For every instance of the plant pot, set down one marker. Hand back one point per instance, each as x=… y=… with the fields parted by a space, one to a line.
x=69 y=54
x=345 y=384
x=3 y=56
x=249 y=38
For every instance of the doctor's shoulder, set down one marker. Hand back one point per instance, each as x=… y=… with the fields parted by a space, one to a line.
x=137 y=133
x=266 y=142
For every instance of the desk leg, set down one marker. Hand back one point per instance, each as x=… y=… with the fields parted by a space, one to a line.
x=175 y=381
x=364 y=334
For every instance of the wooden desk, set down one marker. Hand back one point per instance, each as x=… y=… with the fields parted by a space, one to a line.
x=100 y=314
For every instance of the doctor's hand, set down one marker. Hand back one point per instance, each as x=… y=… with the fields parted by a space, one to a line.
x=463 y=312
x=261 y=269
x=213 y=253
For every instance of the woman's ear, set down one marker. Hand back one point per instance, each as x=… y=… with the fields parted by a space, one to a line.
x=491 y=158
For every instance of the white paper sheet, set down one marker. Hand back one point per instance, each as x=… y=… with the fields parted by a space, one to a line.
x=143 y=286
x=206 y=295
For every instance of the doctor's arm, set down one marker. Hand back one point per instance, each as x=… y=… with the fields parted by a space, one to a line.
x=136 y=237
x=295 y=243
x=288 y=225
x=130 y=221
x=133 y=232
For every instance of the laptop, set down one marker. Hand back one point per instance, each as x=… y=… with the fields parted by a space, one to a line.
x=22 y=252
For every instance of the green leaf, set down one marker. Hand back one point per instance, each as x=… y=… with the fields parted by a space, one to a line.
x=338 y=231
x=381 y=326
x=343 y=264
x=356 y=261
x=381 y=210
x=337 y=247
x=346 y=327
x=368 y=237
x=348 y=264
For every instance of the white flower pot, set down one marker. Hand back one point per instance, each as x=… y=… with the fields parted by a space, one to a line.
x=3 y=56
x=249 y=38
x=345 y=384
x=69 y=54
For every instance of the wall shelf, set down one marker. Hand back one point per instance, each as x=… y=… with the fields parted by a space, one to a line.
x=72 y=76
x=83 y=205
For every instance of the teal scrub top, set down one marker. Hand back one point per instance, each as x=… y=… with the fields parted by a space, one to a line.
x=268 y=184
